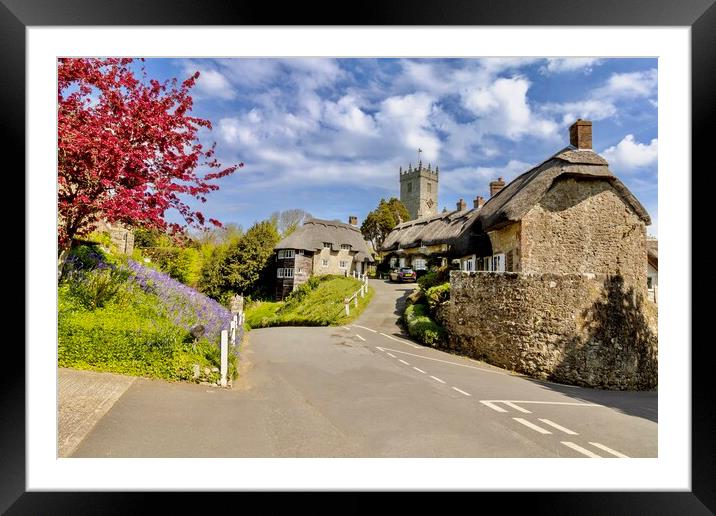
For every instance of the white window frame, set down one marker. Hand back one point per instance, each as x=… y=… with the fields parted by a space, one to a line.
x=420 y=264
x=327 y=245
x=284 y=272
x=346 y=247
x=324 y=262
x=393 y=261
x=498 y=262
x=343 y=264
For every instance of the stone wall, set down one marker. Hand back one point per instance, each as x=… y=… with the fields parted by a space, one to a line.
x=121 y=237
x=508 y=240
x=584 y=226
x=581 y=329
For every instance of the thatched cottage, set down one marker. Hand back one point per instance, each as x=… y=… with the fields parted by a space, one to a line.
x=320 y=247
x=569 y=214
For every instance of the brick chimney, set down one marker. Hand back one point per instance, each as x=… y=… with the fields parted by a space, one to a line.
x=352 y=220
x=496 y=186
x=478 y=201
x=580 y=134
x=461 y=205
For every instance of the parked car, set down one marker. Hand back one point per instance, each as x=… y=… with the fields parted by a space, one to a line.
x=403 y=274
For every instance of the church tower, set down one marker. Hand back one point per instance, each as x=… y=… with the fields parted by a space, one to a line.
x=419 y=190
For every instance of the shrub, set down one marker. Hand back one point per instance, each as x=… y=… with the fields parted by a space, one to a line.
x=437 y=295
x=93 y=278
x=433 y=278
x=421 y=326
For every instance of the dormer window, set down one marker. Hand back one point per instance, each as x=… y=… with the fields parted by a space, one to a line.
x=346 y=247
x=326 y=245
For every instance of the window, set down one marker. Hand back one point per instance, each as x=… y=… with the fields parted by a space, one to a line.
x=430 y=187
x=649 y=282
x=326 y=245
x=402 y=263
x=346 y=247
x=498 y=262
x=393 y=262
x=300 y=252
x=420 y=264
x=468 y=265
x=285 y=253
x=343 y=264
x=284 y=272
x=324 y=262
x=410 y=186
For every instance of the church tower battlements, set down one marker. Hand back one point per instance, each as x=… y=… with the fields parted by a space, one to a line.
x=419 y=190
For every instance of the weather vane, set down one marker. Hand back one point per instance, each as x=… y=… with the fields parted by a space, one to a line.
x=419 y=152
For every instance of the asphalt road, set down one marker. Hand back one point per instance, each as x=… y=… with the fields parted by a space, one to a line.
x=365 y=390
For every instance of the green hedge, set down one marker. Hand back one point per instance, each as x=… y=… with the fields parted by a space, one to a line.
x=437 y=295
x=421 y=326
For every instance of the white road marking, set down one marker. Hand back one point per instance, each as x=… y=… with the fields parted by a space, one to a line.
x=462 y=392
x=347 y=327
x=558 y=427
x=363 y=327
x=516 y=407
x=575 y=404
x=581 y=450
x=532 y=425
x=419 y=370
x=390 y=354
x=492 y=406
x=400 y=340
x=361 y=338
x=437 y=379
x=609 y=450
x=403 y=361
x=444 y=361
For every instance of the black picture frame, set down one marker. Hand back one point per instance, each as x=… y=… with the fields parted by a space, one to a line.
x=700 y=15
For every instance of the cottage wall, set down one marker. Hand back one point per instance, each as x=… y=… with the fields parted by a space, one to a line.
x=334 y=261
x=508 y=240
x=579 y=329
x=584 y=226
x=302 y=266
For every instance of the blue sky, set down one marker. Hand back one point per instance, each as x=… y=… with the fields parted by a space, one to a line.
x=328 y=135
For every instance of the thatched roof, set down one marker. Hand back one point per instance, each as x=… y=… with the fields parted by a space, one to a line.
x=652 y=252
x=465 y=230
x=314 y=232
x=518 y=197
x=452 y=228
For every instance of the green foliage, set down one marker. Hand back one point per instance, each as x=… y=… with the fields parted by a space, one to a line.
x=319 y=302
x=172 y=260
x=144 y=237
x=93 y=277
x=421 y=326
x=437 y=295
x=433 y=278
x=382 y=220
x=246 y=266
x=134 y=336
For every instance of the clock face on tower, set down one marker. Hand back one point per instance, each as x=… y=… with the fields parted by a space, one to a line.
x=430 y=203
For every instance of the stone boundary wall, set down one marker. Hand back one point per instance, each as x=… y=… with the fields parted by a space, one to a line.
x=577 y=329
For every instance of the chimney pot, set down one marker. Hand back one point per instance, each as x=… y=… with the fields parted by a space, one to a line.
x=461 y=205
x=580 y=134
x=496 y=186
x=478 y=201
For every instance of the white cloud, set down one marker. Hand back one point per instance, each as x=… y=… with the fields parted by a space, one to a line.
x=629 y=154
x=628 y=85
x=212 y=83
x=473 y=181
x=571 y=64
x=590 y=109
x=504 y=110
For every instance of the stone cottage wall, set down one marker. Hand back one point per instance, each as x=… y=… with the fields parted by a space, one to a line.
x=584 y=226
x=571 y=328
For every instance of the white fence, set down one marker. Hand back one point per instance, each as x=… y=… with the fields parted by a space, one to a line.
x=362 y=291
x=229 y=337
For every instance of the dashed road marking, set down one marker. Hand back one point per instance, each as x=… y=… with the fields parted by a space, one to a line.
x=558 y=427
x=443 y=361
x=609 y=450
x=492 y=406
x=462 y=392
x=346 y=327
x=403 y=361
x=363 y=327
x=419 y=370
x=390 y=354
x=400 y=340
x=522 y=402
x=437 y=379
x=532 y=425
x=361 y=338
x=516 y=407
x=581 y=450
